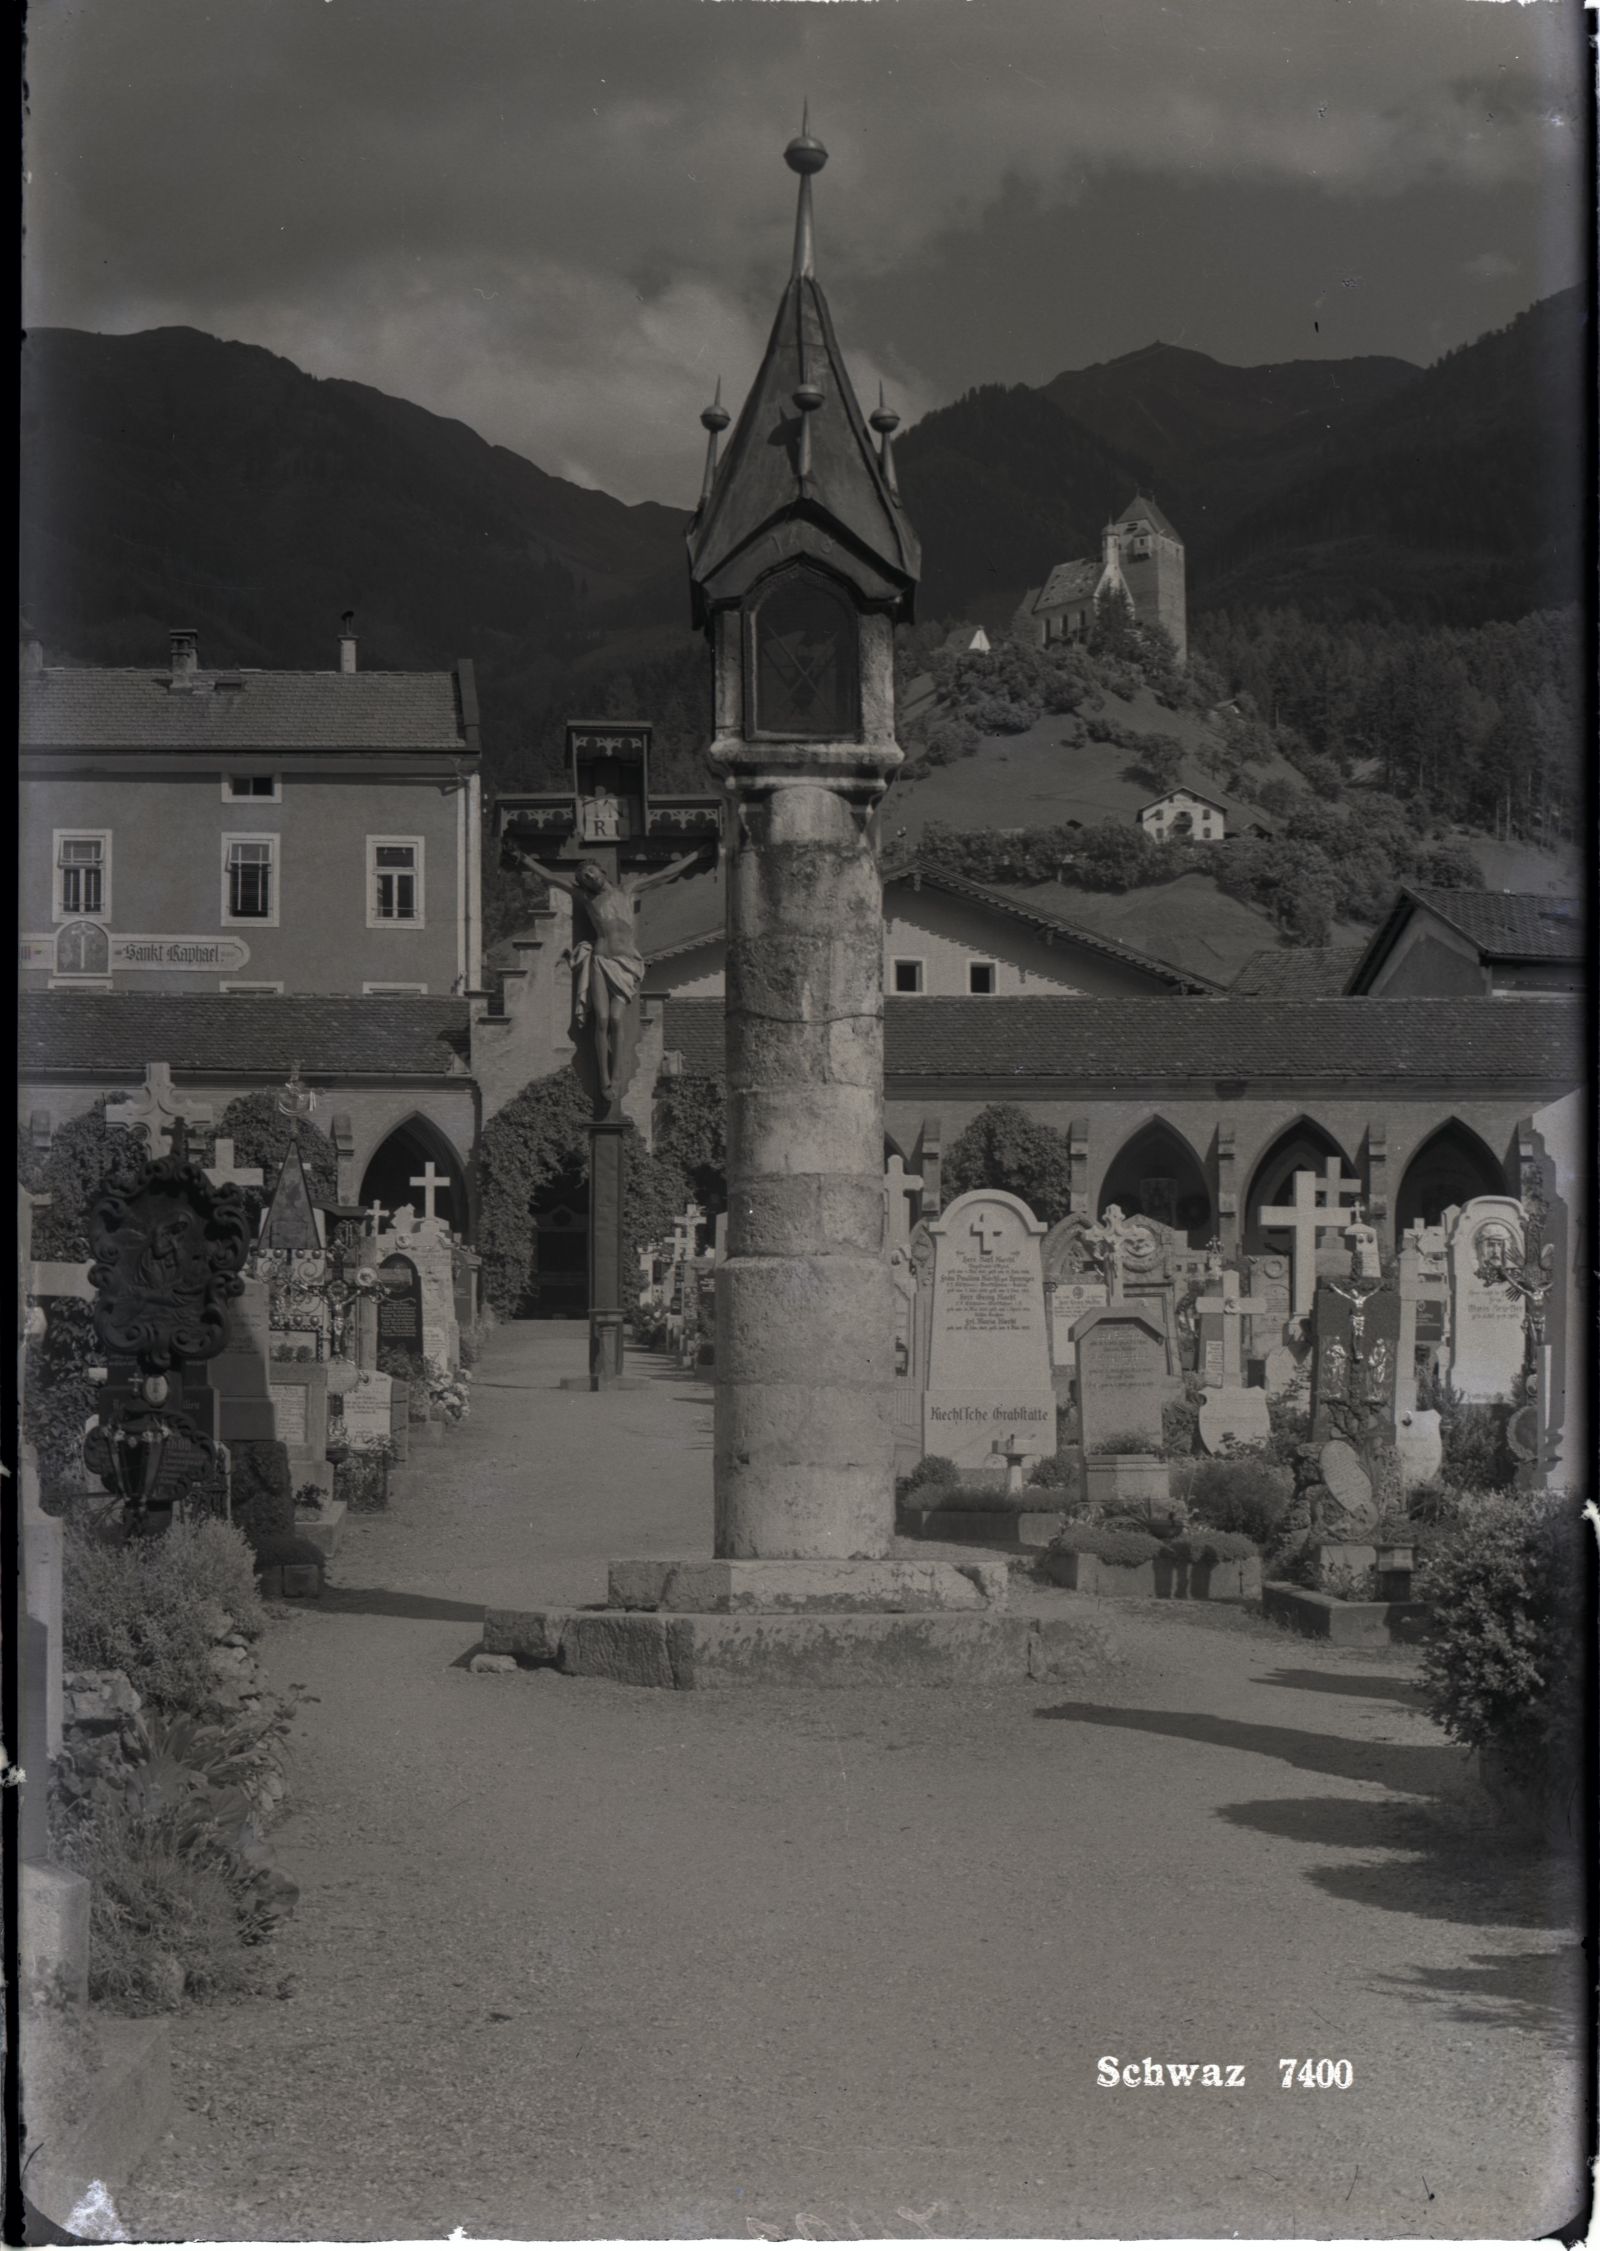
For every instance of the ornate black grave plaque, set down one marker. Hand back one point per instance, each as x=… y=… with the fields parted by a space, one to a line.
x=400 y=1307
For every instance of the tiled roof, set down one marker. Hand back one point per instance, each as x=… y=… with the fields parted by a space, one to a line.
x=1296 y=973
x=1142 y=506
x=1516 y=926
x=330 y=1036
x=1016 y=903
x=102 y=708
x=1068 y=582
x=1104 y=1043
x=683 y=916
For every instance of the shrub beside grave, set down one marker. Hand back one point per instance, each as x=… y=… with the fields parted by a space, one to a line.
x=171 y=1761
x=1241 y=1493
x=1506 y=1665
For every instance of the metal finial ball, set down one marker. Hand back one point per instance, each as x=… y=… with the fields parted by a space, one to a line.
x=807 y=398
x=805 y=154
x=884 y=418
x=714 y=418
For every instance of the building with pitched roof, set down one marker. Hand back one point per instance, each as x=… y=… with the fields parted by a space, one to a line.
x=1500 y=943
x=234 y=871
x=1141 y=556
x=242 y=832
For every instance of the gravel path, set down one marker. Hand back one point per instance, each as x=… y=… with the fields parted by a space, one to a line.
x=579 y=1960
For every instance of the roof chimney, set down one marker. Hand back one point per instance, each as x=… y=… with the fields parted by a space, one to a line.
x=185 y=655
x=347 y=641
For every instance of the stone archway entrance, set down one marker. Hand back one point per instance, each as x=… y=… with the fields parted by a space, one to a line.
x=1451 y=1166
x=416 y=1165
x=1157 y=1175
x=1302 y=1147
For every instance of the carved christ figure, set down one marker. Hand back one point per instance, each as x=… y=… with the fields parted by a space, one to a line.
x=607 y=966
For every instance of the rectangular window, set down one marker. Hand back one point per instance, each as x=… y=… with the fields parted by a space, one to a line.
x=249 y=888
x=394 y=881
x=268 y=786
x=251 y=992
x=391 y=991
x=980 y=977
x=82 y=868
x=908 y=977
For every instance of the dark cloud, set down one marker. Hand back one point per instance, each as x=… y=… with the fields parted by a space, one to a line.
x=559 y=219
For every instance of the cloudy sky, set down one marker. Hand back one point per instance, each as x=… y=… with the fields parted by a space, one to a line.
x=560 y=219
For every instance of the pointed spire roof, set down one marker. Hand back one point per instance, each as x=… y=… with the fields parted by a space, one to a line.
x=801 y=475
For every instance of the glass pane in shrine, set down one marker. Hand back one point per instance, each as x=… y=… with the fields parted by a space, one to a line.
x=807 y=672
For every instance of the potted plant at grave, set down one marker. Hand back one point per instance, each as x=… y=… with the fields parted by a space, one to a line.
x=1127 y=1466
x=1113 y=1559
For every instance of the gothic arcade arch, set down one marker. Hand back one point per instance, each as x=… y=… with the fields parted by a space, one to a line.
x=1452 y=1165
x=1302 y=1146
x=1157 y=1174
x=405 y=1155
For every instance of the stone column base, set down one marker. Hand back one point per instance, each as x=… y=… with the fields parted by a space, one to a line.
x=736 y=1648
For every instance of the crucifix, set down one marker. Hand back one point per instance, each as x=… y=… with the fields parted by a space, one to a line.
x=430 y=1182
x=602 y=844
x=1316 y=1210
x=989 y=1231
x=377 y=1213
x=296 y=1102
x=1106 y=1244
x=157 y=1110
x=1234 y=1309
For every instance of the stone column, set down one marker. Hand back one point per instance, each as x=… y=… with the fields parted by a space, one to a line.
x=805 y=1319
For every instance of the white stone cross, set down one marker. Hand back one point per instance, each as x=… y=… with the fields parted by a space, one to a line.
x=430 y=1181
x=1316 y=1210
x=377 y=1213
x=899 y=1187
x=686 y=1232
x=156 y=1108
x=988 y=1231
x=223 y=1172
x=1234 y=1309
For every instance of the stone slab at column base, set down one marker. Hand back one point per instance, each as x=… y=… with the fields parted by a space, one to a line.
x=123 y=2113
x=815 y=1649
x=1006 y=1525
x=825 y=1584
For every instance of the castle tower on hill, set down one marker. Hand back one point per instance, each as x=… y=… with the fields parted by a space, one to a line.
x=1141 y=554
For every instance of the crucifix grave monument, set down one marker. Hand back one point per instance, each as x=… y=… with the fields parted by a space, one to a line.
x=602 y=844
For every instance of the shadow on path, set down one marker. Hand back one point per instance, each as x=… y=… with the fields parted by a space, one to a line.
x=1538 y=1993
x=1436 y=1862
x=1389 y=1688
x=387 y=1602
x=1419 y=1769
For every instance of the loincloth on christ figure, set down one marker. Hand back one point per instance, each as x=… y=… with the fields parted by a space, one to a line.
x=596 y=976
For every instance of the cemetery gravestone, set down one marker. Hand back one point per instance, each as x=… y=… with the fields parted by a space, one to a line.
x=1488 y=1328
x=365 y=1412
x=988 y=1355
x=1123 y=1382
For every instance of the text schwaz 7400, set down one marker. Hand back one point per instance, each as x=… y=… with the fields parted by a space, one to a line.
x=1323 y=2072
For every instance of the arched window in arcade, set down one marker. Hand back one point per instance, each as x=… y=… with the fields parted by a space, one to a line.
x=416 y=1165
x=803 y=661
x=1158 y=1175
x=1301 y=1147
x=1451 y=1166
